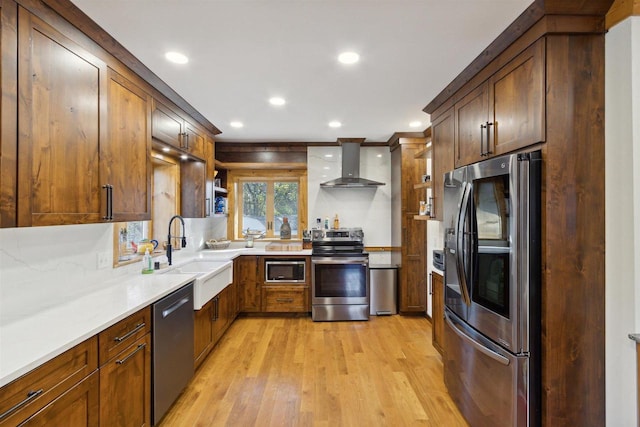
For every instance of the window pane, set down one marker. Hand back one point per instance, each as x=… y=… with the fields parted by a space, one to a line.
x=286 y=204
x=254 y=206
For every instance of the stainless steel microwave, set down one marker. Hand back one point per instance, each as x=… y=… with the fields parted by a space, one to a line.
x=284 y=271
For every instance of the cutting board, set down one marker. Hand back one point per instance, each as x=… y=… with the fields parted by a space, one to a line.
x=284 y=246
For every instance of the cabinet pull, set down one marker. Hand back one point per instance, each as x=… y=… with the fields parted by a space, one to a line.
x=107 y=195
x=216 y=309
x=122 y=361
x=207 y=206
x=481 y=139
x=284 y=299
x=488 y=152
x=131 y=332
x=429 y=284
x=30 y=396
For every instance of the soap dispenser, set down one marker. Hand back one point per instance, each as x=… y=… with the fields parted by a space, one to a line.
x=147 y=264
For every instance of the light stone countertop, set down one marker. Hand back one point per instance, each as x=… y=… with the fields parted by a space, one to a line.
x=33 y=339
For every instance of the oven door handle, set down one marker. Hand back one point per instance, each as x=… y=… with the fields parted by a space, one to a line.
x=362 y=261
x=492 y=353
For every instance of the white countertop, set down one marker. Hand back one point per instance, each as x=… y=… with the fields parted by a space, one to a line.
x=29 y=340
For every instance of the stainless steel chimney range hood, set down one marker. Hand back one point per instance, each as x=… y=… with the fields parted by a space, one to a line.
x=351 y=167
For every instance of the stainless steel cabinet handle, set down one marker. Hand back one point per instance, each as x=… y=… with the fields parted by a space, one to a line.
x=174 y=307
x=131 y=332
x=30 y=396
x=108 y=197
x=488 y=152
x=482 y=127
x=481 y=348
x=122 y=361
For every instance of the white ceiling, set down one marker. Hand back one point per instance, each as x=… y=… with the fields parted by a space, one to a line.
x=242 y=52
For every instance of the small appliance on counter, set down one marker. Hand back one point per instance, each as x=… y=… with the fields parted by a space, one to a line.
x=438 y=259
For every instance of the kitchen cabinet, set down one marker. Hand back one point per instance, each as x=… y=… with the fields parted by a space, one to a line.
x=285 y=298
x=193 y=176
x=408 y=236
x=62 y=391
x=125 y=371
x=125 y=156
x=505 y=112
x=210 y=194
x=8 y=114
x=437 y=312
x=247 y=270
x=172 y=129
x=203 y=332
x=212 y=321
x=84 y=140
x=60 y=132
x=442 y=137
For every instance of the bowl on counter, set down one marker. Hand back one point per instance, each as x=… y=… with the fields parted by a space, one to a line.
x=217 y=244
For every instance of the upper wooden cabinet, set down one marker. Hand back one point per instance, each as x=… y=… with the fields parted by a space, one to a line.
x=85 y=134
x=442 y=137
x=172 y=129
x=504 y=113
x=125 y=155
x=60 y=113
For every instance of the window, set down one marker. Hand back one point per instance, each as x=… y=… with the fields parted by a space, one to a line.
x=262 y=203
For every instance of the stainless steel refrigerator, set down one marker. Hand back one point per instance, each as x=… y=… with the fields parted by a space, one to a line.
x=492 y=220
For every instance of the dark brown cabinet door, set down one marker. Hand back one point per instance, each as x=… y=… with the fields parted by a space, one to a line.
x=79 y=406
x=247 y=272
x=517 y=101
x=210 y=196
x=471 y=114
x=125 y=387
x=442 y=130
x=8 y=114
x=203 y=332
x=167 y=126
x=59 y=128
x=193 y=176
x=194 y=141
x=125 y=155
x=413 y=289
x=437 y=312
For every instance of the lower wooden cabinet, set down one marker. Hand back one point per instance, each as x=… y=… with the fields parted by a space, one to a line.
x=78 y=406
x=285 y=298
x=437 y=312
x=212 y=321
x=247 y=269
x=125 y=386
x=40 y=396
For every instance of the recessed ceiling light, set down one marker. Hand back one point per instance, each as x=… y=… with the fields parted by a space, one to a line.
x=326 y=168
x=236 y=124
x=335 y=124
x=276 y=100
x=328 y=155
x=176 y=57
x=379 y=155
x=166 y=149
x=184 y=157
x=348 y=58
x=415 y=124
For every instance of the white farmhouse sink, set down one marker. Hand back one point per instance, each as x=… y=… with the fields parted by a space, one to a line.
x=213 y=277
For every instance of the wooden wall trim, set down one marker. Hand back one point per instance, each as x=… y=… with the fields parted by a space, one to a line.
x=77 y=18
x=621 y=10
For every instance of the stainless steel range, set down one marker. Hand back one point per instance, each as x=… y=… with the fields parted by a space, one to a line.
x=340 y=275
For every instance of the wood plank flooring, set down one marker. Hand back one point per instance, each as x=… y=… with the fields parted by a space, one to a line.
x=296 y=372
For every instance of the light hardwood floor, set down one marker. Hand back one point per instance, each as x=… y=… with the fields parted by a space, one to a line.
x=296 y=372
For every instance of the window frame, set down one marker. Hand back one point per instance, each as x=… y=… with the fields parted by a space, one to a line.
x=235 y=179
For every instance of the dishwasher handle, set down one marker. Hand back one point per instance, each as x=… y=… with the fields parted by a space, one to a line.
x=174 y=307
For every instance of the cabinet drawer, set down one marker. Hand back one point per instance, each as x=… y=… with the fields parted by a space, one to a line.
x=285 y=299
x=121 y=335
x=28 y=394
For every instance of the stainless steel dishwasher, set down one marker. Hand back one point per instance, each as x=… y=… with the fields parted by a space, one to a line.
x=172 y=348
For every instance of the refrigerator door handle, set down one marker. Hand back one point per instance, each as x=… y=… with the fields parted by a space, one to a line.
x=493 y=354
x=460 y=257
